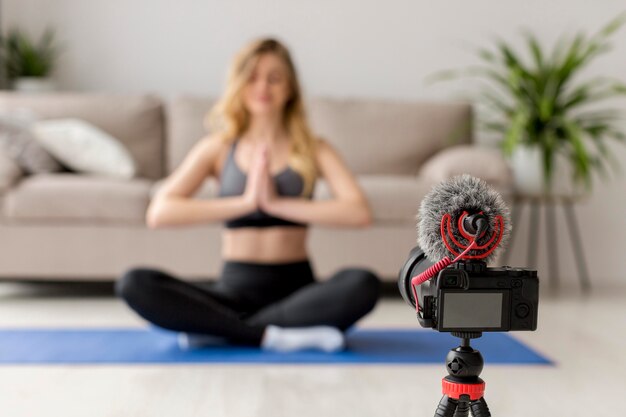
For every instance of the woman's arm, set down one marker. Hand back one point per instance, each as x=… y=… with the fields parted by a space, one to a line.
x=173 y=205
x=349 y=207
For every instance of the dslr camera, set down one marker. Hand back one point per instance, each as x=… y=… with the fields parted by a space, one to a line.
x=470 y=297
x=461 y=224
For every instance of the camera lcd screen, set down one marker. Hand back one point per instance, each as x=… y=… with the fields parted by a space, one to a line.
x=472 y=310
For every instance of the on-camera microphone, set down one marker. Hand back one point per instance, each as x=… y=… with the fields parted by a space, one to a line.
x=460 y=211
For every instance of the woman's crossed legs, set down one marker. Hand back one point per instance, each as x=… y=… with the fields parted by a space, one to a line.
x=218 y=310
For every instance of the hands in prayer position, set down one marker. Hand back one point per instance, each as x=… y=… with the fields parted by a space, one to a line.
x=260 y=190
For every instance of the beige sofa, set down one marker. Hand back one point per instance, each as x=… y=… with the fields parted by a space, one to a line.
x=69 y=226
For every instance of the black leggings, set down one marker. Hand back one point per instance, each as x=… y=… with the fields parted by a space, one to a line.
x=248 y=297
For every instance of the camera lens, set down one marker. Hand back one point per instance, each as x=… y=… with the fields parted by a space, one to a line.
x=416 y=264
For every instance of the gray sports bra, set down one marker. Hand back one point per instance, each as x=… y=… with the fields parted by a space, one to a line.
x=233 y=182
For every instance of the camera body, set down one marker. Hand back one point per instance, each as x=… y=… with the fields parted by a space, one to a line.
x=470 y=297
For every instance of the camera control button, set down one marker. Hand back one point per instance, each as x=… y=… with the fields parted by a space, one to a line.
x=522 y=311
x=517 y=283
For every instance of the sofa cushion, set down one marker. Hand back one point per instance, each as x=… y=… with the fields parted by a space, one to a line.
x=136 y=120
x=78 y=198
x=373 y=136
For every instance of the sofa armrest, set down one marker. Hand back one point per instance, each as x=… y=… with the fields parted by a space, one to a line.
x=482 y=162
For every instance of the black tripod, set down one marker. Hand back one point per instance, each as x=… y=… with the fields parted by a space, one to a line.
x=462 y=389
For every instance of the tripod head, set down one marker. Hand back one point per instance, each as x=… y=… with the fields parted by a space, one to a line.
x=463 y=389
x=464 y=363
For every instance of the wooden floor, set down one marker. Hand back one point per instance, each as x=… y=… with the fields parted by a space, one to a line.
x=586 y=336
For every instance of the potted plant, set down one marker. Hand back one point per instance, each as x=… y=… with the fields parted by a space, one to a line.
x=551 y=125
x=29 y=64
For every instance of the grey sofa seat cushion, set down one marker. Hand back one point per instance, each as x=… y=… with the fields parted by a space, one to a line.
x=59 y=197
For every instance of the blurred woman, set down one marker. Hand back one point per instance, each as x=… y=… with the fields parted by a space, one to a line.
x=267 y=162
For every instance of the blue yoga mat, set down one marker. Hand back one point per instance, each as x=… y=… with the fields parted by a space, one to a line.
x=153 y=345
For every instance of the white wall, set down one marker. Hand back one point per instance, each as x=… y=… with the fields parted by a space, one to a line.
x=342 y=48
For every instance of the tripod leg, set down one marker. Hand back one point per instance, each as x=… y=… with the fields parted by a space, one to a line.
x=479 y=408
x=462 y=409
x=553 y=259
x=446 y=407
x=583 y=273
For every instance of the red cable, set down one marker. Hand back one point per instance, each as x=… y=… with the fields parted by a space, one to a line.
x=431 y=271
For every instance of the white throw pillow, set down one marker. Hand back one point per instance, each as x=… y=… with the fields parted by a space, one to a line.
x=84 y=148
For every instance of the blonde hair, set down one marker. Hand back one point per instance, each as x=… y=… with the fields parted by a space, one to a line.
x=230 y=119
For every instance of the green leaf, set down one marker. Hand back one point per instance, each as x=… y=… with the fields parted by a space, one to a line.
x=612 y=26
x=444 y=75
x=515 y=134
x=496 y=102
x=580 y=157
x=486 y=55
x=497 y=127
x=535 y=48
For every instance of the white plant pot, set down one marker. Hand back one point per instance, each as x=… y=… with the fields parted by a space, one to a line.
x=527 y=166
x=34 y=84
